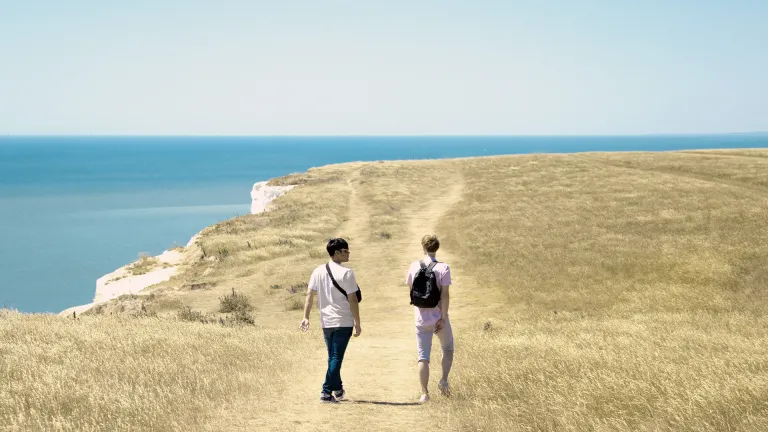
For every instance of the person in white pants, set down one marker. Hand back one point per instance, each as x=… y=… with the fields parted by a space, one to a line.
x=435 y=320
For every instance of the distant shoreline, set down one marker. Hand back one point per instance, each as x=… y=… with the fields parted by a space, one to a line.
x=123 y=282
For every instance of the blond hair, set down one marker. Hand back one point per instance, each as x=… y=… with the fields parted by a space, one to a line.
x=430 y=243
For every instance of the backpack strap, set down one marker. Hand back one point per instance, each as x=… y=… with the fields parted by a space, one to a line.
x=431 y=266
x=328 y=268
x=430 y=269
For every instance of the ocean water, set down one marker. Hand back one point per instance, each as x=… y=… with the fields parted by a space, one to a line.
x=75 y=208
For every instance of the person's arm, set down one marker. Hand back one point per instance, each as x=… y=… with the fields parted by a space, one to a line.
x=445 y=298
x=310 y=300
x=445 y=301
x=349 y=284
x=355 y=308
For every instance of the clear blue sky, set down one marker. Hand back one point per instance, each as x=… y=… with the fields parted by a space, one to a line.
x=383 y=67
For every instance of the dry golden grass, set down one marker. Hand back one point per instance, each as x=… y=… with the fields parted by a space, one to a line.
x=592 y=292
x=635 y=292
x=252 y=252
x=649 y=372
x=144 y=265
x=112 y=373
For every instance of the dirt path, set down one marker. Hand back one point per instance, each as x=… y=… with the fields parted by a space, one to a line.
x=379 y=369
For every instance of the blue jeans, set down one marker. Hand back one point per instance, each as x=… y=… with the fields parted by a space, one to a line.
x=336 y=340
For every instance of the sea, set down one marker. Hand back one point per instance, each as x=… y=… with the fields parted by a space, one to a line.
x=73 y=208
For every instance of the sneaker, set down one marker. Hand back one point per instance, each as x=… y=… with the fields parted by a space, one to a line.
x=445 y=389
x=424 y=398
x=340 y=395
x=326 y=398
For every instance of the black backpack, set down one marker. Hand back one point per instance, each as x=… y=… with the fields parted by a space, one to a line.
x=358 y=294
x=424 y=292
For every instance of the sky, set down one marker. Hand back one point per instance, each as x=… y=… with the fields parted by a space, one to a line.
x=394 y=67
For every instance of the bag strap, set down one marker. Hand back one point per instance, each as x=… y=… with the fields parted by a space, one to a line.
x=431 y=265
x=431 y=269
x=328 y=267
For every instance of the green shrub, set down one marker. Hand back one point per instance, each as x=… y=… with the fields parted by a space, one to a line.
x=239 y=318
x=187 y=314
x=234 y=303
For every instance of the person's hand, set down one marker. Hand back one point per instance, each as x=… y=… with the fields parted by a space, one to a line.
x=439 y=325
x=358 y=330
x=304 y=326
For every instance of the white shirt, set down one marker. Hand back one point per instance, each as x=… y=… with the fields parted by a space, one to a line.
x=334 y=307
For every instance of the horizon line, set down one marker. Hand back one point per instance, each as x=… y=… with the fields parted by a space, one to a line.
x=596 y=135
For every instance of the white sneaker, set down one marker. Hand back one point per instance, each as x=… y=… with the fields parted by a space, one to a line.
x=445 y=389
x=327 y=398
x=424 y=398
x=340 y=395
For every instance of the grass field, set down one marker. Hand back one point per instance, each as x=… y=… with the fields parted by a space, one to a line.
x=592 y=292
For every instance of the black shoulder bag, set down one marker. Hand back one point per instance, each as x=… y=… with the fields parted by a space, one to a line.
x=359 y=295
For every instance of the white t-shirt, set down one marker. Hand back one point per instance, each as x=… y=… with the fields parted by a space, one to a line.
x=334 y=307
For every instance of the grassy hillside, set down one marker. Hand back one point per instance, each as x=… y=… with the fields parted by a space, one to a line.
x=595 y=291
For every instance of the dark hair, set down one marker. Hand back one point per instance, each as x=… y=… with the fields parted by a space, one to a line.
x=336 y=244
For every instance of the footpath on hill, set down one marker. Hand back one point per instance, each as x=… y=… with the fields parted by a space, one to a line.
x=379 y=370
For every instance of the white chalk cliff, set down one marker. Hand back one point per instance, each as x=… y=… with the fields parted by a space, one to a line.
x=261 y=195
x=122 y=281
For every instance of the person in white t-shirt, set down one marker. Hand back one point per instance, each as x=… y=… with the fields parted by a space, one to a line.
x=433 y=321
x=339 y=313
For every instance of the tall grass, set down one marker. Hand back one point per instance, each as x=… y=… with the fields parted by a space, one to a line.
x=592 y=292
x=633 y=294
x=112 y=373
x=241 y=253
